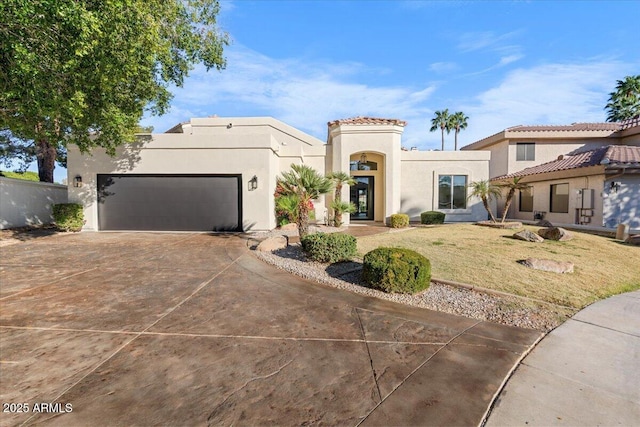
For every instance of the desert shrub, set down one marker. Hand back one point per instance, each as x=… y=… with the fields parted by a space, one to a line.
x=399 y=220
x=68 y=216
x=329 y=247
x=432 y=217
x=396 y=270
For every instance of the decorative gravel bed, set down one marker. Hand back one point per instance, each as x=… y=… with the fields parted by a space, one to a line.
x=440 y=297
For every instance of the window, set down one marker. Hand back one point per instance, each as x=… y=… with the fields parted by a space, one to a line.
x=559 y=198
x=525 y=151
x=355 y=165
x=452 y=192
x=526 y=200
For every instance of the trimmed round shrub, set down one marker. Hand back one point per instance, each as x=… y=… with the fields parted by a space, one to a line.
x=329 y=247
x=396 y=270
x=68 y=216
x=432 y=217
x=399 y=220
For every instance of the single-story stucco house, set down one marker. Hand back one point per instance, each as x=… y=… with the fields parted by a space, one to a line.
x=215 y=174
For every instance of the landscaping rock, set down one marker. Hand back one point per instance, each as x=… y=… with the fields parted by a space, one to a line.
x=289 y=227
x=273 y=243
x=528 y=236
x=548 y=265
x=544 y=223
x=501 y=225
x=633 y=240
x=555 y=233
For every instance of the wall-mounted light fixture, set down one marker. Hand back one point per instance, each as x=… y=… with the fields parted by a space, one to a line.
x=230 y=125
x=77 y=181
x=253 y=183
x=363 y=158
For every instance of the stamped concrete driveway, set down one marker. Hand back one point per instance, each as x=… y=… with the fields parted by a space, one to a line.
x=192 y=329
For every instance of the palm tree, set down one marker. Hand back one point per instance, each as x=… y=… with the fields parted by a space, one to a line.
x=458 y=121
x=307 y=184
x=486 y=192
x=339 y=207
x=512 y=186
x=441 y=121
x=624 y=103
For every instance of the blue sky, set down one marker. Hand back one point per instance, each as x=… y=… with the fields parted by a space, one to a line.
x=503 y=63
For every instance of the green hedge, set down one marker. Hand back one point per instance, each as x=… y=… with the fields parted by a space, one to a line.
x=399 y=220
x=432 y=217
x=396 y=270
x=68 y=216
x=329 y=247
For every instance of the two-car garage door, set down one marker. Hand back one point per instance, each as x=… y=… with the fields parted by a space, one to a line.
x=170 y=202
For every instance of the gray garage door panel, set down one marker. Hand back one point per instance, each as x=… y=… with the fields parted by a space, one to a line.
x=170 y=202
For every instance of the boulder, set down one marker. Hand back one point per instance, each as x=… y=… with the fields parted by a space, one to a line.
x=555 y=233
x=633 y=240
x=528 y=236
x=548 y=265
x=289 y=227
x=273 y=244
x=544 y=223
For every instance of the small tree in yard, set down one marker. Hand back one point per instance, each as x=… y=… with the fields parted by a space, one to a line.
x=512 y=186
x=486 y=192
x=339 y=207
x=306 y=184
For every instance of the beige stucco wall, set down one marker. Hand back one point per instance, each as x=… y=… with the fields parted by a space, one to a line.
x=542 y=194
x=419 y=181
x=251 y=146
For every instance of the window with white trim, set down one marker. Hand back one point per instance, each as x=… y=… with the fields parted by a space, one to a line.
x=452 y=191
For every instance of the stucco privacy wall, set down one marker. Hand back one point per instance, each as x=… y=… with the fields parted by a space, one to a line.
x=263 y=147
x=27 y=202
x=419 y=181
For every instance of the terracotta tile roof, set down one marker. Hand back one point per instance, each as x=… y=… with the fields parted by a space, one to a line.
x=571 y=127
x=608 y=155
x=361 y=120
x=630 y=123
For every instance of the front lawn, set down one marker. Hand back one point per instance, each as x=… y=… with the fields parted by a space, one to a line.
x=488 y=258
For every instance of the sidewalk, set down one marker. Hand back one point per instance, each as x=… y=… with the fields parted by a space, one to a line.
x=586 y=372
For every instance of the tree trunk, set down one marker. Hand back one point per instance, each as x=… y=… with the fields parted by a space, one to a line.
x=46 y=156
x=455 y=147
x=486 y=206
x=442 y=129
x=303 y=220
x=337 y=197
x=507 y=203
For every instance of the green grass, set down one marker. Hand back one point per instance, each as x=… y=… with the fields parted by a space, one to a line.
x=488 y=257
x=27 y=176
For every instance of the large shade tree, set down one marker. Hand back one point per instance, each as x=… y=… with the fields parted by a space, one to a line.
x=441 y=120
x=84 y=72
x=457 y=122
x=305 y=184
x=624 y=102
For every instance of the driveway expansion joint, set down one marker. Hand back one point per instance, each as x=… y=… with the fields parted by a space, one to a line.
x=603 y=327
x=364 y=338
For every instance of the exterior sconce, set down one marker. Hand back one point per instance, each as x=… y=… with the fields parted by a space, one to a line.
x=363 y=158
x=230 y=125
x=77 y=181
x=253 y=183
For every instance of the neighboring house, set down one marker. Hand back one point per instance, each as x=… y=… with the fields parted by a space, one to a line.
x=220 y=174
x=522 y=148
x=599 y=187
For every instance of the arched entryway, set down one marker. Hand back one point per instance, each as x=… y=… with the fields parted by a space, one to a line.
x=367 y=168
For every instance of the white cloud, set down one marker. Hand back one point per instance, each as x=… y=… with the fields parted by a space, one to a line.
x=546 y=94
x=484 y=40
x=443 y=67
x=302 y=93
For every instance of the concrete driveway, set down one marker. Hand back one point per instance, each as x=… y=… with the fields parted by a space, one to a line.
x=192 y=329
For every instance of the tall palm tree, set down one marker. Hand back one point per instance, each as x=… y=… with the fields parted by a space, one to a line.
x=339 y=207
x=441 y=121
x=486 y=192
x=307 y=184
x=512 y=186
x=624 y=103
x=458 y=121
